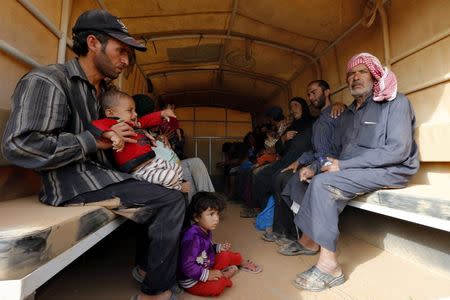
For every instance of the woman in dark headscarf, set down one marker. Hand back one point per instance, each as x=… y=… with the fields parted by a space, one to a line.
x=301 y=121
x=293 y=142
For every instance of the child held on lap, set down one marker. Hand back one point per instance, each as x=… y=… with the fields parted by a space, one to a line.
x=205 y=268
x=269 y=154
x=136 y=158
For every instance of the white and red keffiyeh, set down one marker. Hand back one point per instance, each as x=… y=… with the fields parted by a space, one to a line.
x=385 y=82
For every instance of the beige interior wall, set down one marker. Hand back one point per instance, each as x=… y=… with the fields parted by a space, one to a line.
x=332 y=70
x=415 y=21
x=40 y=44
x=134 y=83
x=213 y=121
x=430 y=64
x=224 y=125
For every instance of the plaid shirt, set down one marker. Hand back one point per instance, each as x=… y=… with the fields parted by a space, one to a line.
x=51 y=110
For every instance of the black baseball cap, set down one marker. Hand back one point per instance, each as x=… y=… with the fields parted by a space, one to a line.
x=102 y=21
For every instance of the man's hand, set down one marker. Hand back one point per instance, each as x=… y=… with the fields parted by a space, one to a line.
x=293 y=167
x=333 y=167
x=305 y=174
x=337 y=109
x=226 y=246
x=125 y=131
x=214 y=275
x=103 y=144
x=167 y=113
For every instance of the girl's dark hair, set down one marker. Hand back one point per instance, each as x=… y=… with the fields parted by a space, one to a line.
x=204 y=200
x=80 y=41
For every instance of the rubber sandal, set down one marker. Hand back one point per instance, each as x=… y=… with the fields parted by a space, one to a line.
x=295 y=248
x=251 y=267
x=230 y=271
x=137 y=275
x=315 y=280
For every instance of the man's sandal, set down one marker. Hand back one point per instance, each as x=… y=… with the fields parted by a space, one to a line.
x=137 y=275
x=295 y=248
x=315 y=280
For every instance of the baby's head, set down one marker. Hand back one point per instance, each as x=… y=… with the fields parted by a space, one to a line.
x=271 y=134
x=117 y=104
x=205 y=208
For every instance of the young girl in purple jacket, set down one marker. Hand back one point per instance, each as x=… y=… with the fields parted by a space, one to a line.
x=206 y=268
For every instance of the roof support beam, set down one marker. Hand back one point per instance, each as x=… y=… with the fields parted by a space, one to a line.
x=264 y=78
x=41 y=17
x=65 y=16
x=222 y=50
x=232 y=36
x=210 y=100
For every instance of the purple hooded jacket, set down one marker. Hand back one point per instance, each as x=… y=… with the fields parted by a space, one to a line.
x=196 y=256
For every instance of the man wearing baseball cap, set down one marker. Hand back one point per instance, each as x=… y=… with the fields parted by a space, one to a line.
x=52 y=108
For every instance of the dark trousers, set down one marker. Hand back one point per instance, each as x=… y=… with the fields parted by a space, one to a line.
x=262 y=182
x=283 y=217
x=241 y=181
x=159 y=252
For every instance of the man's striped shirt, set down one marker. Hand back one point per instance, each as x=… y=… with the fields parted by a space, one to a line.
x=47 y=131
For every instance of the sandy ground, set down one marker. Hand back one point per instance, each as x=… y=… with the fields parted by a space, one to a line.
x=104 y=272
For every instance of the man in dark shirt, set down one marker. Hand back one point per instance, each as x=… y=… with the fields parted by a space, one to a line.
x=283 y=230
x=52 y=108
x=376 y=149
